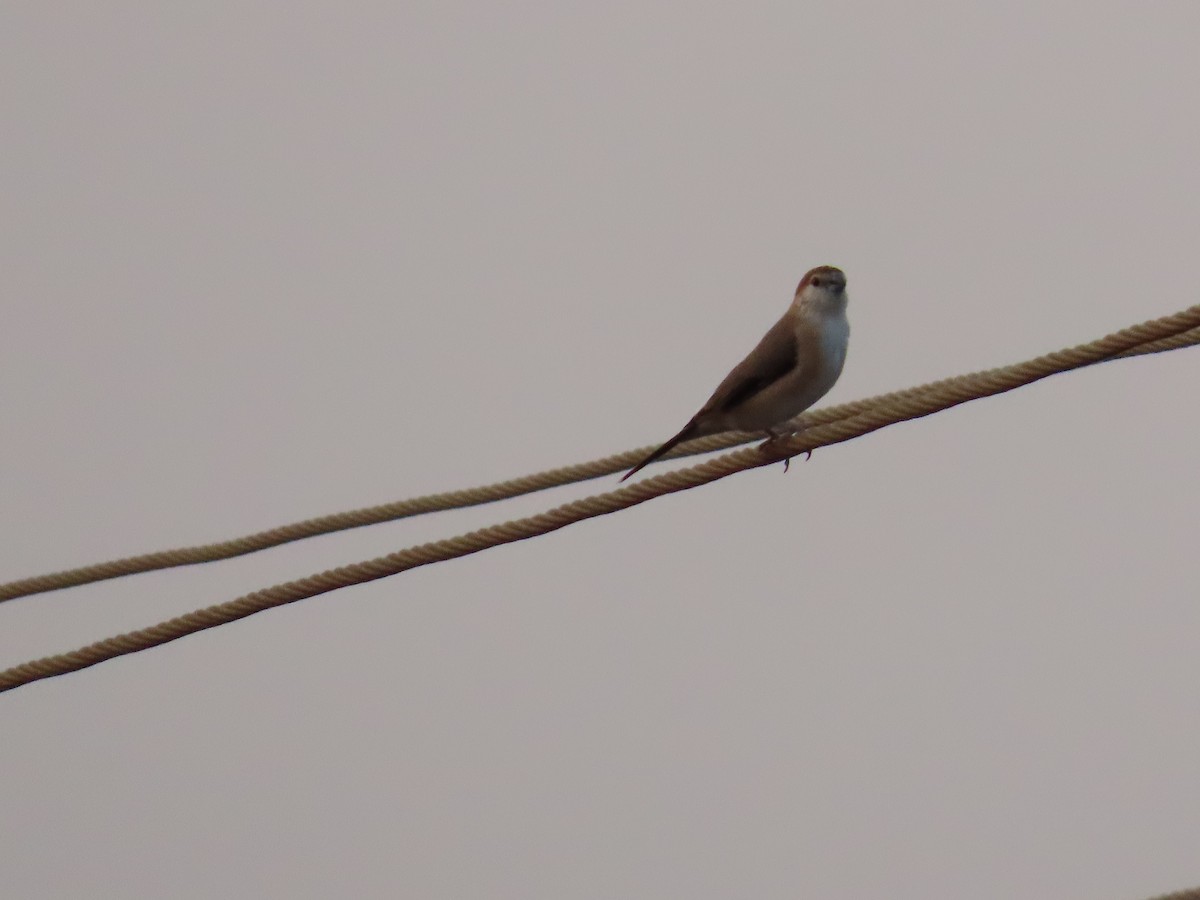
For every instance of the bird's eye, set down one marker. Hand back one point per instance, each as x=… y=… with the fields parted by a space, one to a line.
x=816 y=282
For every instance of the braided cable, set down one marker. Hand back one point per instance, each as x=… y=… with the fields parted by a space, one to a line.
x=476 y=496
x=1187 y=894
x=881 y=412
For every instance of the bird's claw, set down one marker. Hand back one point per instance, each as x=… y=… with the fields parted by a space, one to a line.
x=787 y=460
x=775 y=437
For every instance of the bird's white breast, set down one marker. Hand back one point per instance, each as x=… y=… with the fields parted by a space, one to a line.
x=834 y=337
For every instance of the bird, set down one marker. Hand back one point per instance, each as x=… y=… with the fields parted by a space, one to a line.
x=793 y=366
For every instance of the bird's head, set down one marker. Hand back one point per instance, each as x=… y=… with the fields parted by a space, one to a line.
x=823 y=289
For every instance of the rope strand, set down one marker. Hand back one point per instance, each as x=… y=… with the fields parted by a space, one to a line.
x=460 y=499
x=873 y=415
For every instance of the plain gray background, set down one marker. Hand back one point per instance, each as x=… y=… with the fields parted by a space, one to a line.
x=267 y=261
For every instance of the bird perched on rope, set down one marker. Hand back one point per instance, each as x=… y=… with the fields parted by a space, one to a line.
x=793 y=366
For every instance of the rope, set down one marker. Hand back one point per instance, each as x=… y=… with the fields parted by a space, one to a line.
x=1189 y=894
x=477 y=496
x=884 y=411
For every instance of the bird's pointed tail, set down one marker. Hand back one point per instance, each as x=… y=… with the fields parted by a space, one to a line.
x=687 y=432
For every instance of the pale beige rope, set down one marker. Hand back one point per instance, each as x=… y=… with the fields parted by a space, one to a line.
x=387 y=512
x=1189 y=894
x=901 y=407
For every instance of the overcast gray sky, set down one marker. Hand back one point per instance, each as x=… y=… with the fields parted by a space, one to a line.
x=267 y=261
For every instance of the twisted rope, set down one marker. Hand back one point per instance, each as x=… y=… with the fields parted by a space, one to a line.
x=870 y=416
x=477 y=496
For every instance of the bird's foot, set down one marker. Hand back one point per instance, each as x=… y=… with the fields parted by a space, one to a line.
x=773 y=438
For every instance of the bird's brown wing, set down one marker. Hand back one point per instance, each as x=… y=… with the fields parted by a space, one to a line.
x=775 y=356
